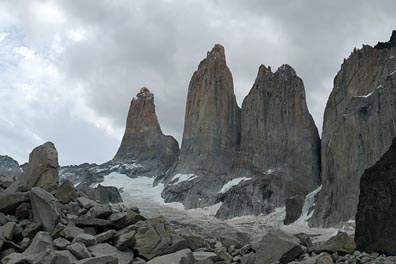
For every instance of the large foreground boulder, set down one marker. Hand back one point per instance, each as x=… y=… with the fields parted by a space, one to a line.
x=278 y=246
x=184 y=256
x=45 y=210
x=10 y=201
x=375 y=218
x=342 y=243
x=155 y=237
x=42 y=169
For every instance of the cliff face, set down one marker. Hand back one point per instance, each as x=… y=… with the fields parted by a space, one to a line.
x=375 y=218
x=280 y=145
x=212 y=121
x=143 y=142
x=211 y=134
x=359 y=125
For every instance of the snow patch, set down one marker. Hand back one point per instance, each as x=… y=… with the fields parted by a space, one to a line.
x=392 y=73
x=367 y=95
x=232 y=183
x=308 y=204
x=178 y=178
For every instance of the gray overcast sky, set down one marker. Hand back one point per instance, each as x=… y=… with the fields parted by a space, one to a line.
x=69 y=69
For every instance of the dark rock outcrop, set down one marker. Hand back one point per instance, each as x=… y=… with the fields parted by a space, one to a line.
x=9 y=171
x=42 y=170
x=294 y=206
x=143 y=141
x=211 y=134
x=375 y=218
x=105 y=194
x=387 y=45
x=280 y=145
x=359 y=125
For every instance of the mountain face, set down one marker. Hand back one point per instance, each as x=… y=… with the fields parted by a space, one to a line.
x=375 y=218
x=143 y=141
x=252 y=160
x=212 y=120
x=359 y=125
x=9 y=171
x=144 y=149
x=211 y=133
x=280 y=146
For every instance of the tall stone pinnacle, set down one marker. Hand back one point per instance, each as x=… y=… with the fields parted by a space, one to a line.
x=143 y=140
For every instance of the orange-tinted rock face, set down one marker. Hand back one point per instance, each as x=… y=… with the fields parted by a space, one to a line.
x=143 y=141
x=212 y=127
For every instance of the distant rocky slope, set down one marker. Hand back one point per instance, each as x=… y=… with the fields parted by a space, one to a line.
x=375 y=218
x=280 y=146
x=254 y=161
x=359 y=125
x=144 y=149
x=9 y=170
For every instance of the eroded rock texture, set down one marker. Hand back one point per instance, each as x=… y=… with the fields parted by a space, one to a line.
x=143 y=141
x=280 y=145
x=359 y=125
x=211 y=134
x=43 y=168
x=375 y=218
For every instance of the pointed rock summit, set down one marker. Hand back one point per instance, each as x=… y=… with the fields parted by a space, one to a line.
x=143 y=141
x=211 y=129
x=358 y=128
x=280 y=146
x=211 y=134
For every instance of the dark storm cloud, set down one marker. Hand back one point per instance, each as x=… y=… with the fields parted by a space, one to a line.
x=98 y=54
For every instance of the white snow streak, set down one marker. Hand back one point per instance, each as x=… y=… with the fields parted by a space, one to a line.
x=232 y=183
x=178 y=178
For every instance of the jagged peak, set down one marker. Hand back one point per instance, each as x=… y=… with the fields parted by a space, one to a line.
x=217 y=53
x=286 y=69
x=387 y=45
x=145 y=94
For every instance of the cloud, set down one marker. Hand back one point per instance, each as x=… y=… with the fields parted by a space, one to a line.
x=70 y=68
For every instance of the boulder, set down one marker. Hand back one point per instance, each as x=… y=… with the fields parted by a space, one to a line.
x=125 y=239
x=86 y=203
x=66 y=192
x=10 y=201
x=101 y=211
x=105 y=249
x=45 y=210
x=31 y=230
x=143 y=140
x=105 y=236
x=39 y=251
x=87 y=220
x=155 y=237
x=184 y=256
x=195 y=242
x=42 y=169
x=71 y=232
x=79 y=250
x=23 y=211
x=294 y=207
x=342 y=243
x=359 y=125
x=86 y=239
x=98 y=260
x=61 y=243
x=105 y=194
x=277 y=245
x=375 y=218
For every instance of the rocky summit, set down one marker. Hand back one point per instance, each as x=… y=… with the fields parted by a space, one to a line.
x=280 y=146
x=375 y=218
x=143 y=141
x=359 y=125
x=211 y=134
x=9 y=171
